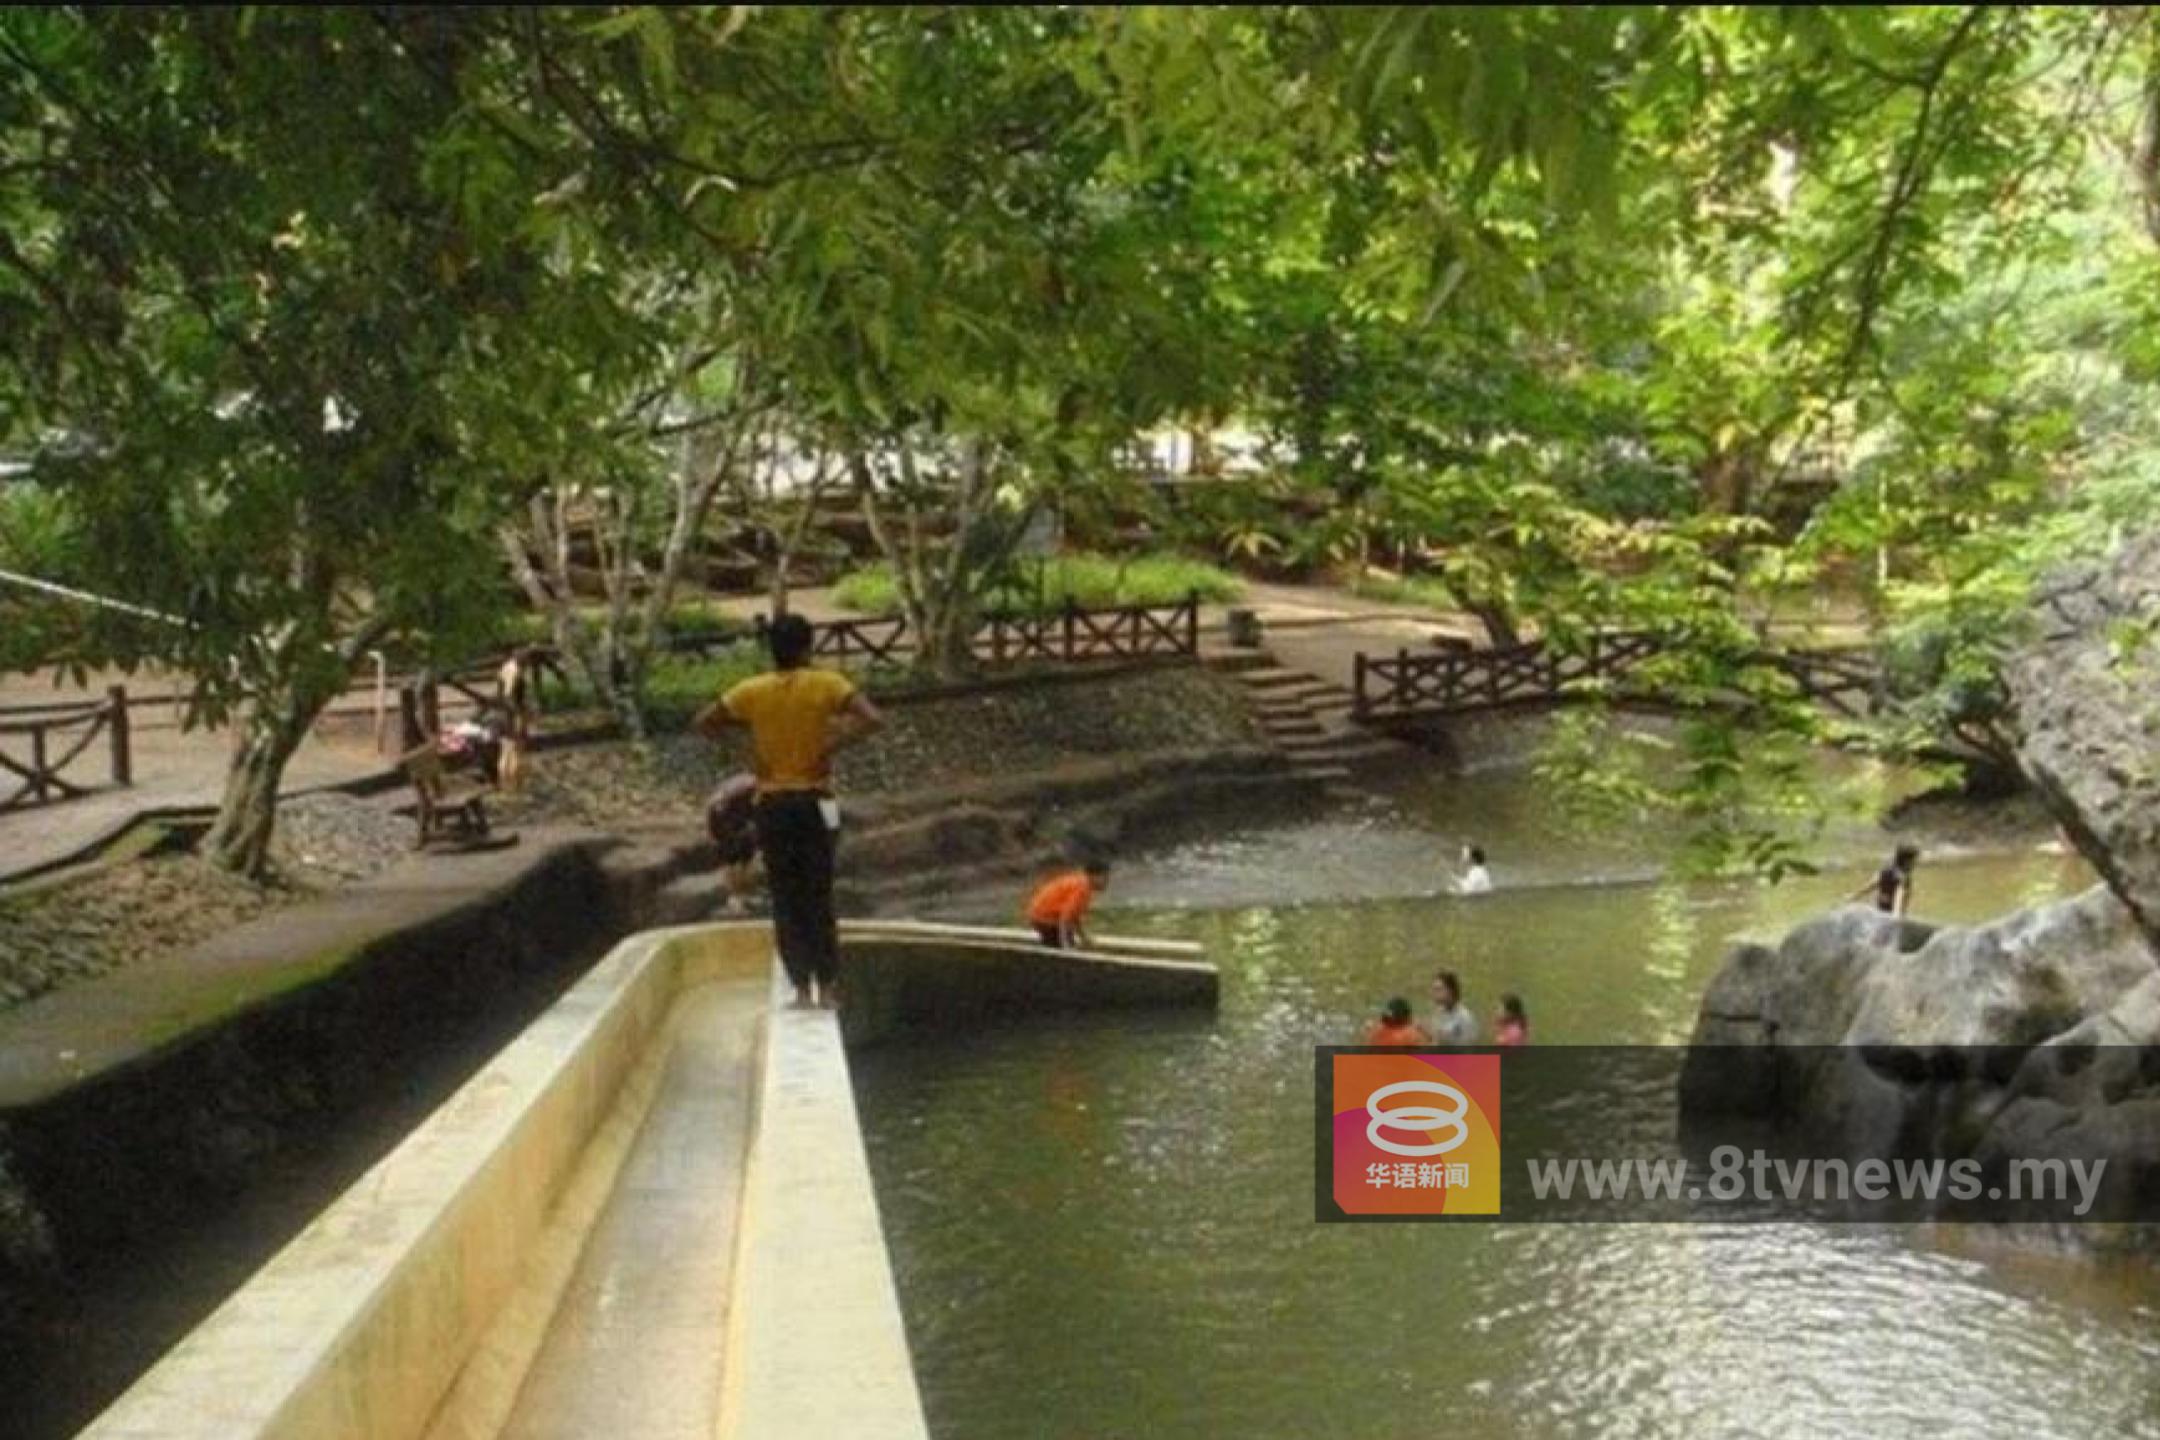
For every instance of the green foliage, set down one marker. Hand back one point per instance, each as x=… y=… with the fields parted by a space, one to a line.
x=1088 y=580
x=302 y=310
x=680 y=686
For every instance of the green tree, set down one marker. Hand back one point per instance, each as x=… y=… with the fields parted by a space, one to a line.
x=260 y=340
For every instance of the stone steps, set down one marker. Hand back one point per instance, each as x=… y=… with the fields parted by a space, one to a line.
x=1343 y=750
x=1310 y=721
x=1274 y=677
x=1236 y=662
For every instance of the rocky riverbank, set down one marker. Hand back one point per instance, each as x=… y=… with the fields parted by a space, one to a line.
x=2029 y=1037
x=86 y=925
x=945 y=743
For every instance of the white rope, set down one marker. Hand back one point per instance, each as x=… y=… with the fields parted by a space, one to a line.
x=31 y=582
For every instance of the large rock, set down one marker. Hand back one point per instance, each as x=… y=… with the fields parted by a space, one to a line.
x=2086 y=708
x=1859 y=977
x=1891 y=1037
x=2035 y=1036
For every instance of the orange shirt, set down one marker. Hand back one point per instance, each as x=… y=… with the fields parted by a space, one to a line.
x=1379 y=1032
x=1062 y=900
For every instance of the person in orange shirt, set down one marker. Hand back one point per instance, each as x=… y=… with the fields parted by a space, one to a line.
x=798 y=717
x=1060 y=905
x=1395 y=1027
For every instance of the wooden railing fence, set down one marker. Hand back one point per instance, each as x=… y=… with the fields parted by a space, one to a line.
x=52 y=738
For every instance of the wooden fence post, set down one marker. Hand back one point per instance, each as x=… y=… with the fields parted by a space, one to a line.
x=1360 y=703
x=1072 y=611
x=1192 y=622
x=123 y=754
x=37 y=761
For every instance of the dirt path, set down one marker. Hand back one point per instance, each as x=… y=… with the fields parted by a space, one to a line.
x=174 y=768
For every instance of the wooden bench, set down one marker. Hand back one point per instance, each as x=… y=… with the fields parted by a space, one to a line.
x=445 y=804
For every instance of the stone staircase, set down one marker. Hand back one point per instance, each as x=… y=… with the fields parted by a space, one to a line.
x=1308 y=720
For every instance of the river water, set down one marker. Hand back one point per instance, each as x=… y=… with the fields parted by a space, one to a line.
x=1104 y=1227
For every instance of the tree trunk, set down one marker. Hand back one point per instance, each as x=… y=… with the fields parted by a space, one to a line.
x=239 y=839
x=1500 y=628
x=610 y=674
x=1727 y=481
x=942 y=636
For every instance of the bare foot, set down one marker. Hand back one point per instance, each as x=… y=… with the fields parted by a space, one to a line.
x=802 y=1000
x=829 y=998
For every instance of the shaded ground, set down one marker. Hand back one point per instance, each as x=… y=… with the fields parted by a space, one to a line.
x=95 y=923
x=129 y=912
x=174 y=768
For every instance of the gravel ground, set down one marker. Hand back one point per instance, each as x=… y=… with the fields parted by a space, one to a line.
x=103 y=921
x=926 y=744
x=87 y=927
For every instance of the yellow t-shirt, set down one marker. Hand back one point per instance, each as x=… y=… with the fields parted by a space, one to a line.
x=790 y=714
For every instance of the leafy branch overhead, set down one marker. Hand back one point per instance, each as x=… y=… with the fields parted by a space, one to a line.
x=330 y=330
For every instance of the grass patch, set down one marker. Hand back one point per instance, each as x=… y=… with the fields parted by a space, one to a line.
x=1423 y=590
x=1086 y=579
x=679 y=686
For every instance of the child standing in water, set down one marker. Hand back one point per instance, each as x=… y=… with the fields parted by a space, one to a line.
x=1395 y=1027
x=1892 y=886
x=1511 y=1026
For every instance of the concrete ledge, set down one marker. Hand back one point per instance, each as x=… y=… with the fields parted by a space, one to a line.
x=360 y=1326
x=818 y=1346
x=902 y=975
x=1115 y=946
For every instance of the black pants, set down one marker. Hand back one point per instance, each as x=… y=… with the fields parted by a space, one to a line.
x=1052 y=935
x=798 y=852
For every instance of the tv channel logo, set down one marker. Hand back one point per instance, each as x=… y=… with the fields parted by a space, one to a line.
x=1409 y=1135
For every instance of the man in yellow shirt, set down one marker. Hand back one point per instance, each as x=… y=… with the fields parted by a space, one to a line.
x=798 y=717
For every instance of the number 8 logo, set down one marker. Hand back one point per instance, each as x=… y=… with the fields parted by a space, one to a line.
x=1417 y=1117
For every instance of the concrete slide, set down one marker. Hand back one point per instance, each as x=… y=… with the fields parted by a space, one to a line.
x=650 y=1215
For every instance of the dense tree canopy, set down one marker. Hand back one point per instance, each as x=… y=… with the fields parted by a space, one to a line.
x=310 y=319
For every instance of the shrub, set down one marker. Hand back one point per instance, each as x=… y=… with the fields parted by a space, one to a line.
x=1084 y=578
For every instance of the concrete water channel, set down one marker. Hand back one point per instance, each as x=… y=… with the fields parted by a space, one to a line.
x=650 y=1215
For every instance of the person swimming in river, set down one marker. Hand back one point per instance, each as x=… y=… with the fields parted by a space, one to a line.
x=1512 y=1025
x=1395 y=1027
x=1892 y=885
x=1475 y=878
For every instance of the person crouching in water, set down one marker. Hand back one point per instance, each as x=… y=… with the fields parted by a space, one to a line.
x=1058 y=909
x=1395 y=1027
x=731 y=821
x=799 y=717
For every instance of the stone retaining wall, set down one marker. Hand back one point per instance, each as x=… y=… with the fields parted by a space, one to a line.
x=136 y=1108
